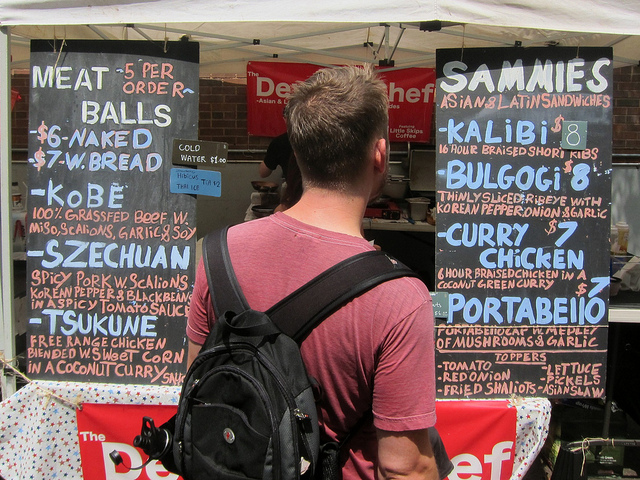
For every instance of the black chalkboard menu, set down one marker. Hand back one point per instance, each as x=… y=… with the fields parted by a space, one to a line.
x=522 y=241
x=110 y=251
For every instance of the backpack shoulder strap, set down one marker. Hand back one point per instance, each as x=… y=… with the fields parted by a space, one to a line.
x=301 y=311
x=227 y=295
x=332 y=289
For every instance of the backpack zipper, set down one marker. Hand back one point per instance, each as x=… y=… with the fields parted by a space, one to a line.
x=188 y=390
x=295 y=414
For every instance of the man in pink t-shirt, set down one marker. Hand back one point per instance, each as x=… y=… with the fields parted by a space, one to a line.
x=375 y=353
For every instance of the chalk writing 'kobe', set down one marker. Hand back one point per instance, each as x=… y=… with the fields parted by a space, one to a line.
x=92 y=198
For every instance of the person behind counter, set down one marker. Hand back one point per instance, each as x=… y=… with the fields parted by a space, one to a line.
x=279 y=154
x=376 y=353
x=292 y=189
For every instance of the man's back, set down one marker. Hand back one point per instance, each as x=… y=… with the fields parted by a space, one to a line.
x=376 y=349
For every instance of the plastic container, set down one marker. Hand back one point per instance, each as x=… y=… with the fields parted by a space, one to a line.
x=19 y=229
x=396 y=188
x=418 y=208
x=613 y=239
x=623 y=236
x=16 y=197
x=615 y=284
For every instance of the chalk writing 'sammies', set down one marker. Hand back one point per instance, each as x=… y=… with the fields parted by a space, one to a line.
x=549 y=76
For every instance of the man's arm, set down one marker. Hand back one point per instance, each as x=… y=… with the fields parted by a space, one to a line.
x=192 y=352
x=263 y=170
x=406 y=455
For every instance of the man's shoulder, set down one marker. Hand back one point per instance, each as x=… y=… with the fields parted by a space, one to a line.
x=403 y=295
x=411 y=284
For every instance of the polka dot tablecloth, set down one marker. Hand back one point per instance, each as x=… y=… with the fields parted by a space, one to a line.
x=39 y=434
x=534 y=415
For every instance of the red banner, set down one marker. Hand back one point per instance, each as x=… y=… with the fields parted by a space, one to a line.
x=105 y=428
x=411 y=96
x=479 y=437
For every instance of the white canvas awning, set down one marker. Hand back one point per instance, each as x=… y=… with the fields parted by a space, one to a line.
x=595 y=16
x=334 y=31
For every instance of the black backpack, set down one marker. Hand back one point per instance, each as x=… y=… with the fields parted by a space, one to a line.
x=247 y=407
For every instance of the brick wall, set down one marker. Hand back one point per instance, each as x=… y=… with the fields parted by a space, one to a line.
x=626 y=110
x=222 y=118
x=223 y=115
x=20 y=117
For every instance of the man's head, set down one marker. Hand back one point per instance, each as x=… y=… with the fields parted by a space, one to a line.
x=334 y=120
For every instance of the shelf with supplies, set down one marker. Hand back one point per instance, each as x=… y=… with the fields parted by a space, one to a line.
x=624 y=302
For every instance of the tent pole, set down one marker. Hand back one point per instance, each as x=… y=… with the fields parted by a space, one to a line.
x=7 y=342
x=386 y=42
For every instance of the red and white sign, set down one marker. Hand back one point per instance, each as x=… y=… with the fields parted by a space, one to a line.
x=411 y=96
x=103 y=428
x=479 y=436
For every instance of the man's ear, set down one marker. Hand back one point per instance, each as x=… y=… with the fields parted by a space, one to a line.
x=380 y=155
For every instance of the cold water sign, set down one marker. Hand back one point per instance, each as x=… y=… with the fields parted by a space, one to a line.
x=197 y=153
x=523 y=180
x=110 y=252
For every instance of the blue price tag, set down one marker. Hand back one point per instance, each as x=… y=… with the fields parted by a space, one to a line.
x=195 y=182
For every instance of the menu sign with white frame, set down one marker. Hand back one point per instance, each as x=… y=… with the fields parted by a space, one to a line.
x=522 y=242
x=111 y=251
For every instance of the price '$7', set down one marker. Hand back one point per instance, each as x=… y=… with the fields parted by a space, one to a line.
x=52 y=139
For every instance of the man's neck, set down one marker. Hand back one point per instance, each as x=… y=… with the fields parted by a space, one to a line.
x=329 y=210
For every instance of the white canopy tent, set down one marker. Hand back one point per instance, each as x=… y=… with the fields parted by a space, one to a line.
x=595 y=16
x=408 y=32
x=403 y=33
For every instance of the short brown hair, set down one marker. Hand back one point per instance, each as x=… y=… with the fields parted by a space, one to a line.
x=333 y=119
